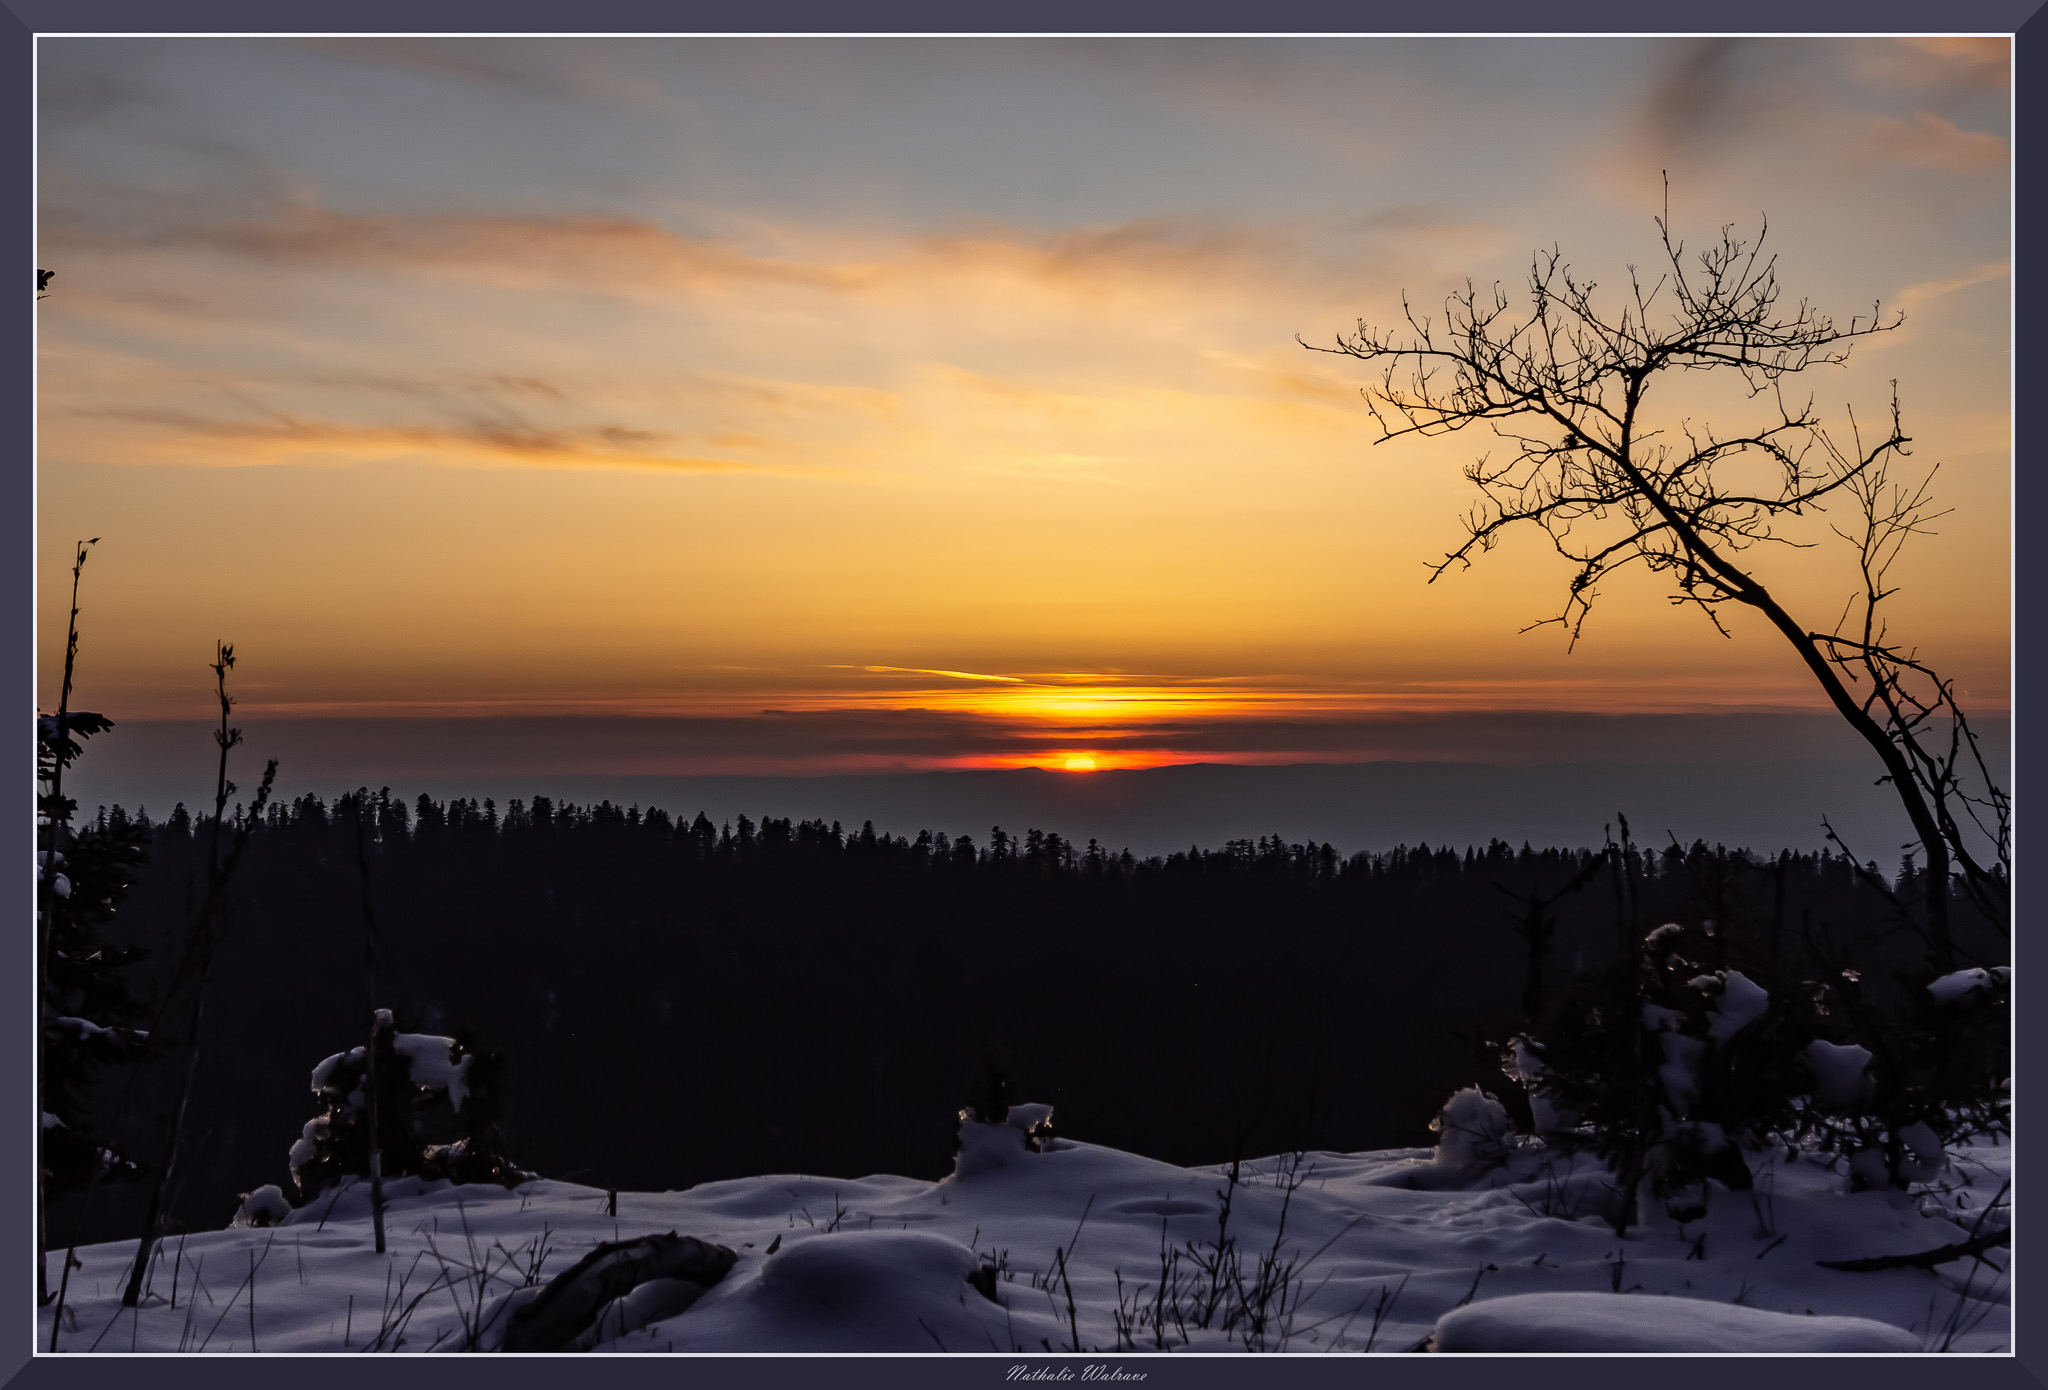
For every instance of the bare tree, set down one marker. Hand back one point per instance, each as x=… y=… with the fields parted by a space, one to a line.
x=1565 y=381
x=195 y=964
x=56 y=815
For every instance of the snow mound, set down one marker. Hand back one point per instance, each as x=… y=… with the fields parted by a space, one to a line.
x=883 y=1263
x=349 y=1200
x=1637 y=1323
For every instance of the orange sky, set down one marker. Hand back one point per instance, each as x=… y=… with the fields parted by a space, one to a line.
x=711 y=377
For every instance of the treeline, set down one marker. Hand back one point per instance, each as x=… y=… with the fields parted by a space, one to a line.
x=680 y=1001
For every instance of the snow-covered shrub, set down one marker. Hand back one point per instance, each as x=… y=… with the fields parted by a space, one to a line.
x=266 y=1206
x=1035 y=1120
x=1911 y=1075
x=1522 y=1062
x=1662 y=1065
x=985 y=1147
x=438 y=1106
x=1472 y=1130
x=1841 y=1075
x=1734 y=1005
x=992 y=1131
x=1706 y=1038
x=1958 y=986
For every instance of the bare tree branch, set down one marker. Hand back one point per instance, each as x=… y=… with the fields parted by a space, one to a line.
x=1563 y=383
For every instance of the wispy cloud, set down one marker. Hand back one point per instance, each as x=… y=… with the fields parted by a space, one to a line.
x=1186 y=259
x=1916 y=297
x=297 y=228
x=1145 y=249
x=281 y=438
x=1979 y=64
x=1922 y=303
x=950 y=675
x=1927 y=139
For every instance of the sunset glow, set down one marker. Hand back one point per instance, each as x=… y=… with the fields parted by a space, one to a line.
x=950 y=386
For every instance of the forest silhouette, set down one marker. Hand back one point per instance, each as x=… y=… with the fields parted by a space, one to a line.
x=679 y=1002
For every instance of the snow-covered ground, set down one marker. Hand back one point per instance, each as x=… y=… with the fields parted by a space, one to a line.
x=1331 y=1252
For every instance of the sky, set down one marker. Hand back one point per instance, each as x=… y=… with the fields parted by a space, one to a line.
x=949 y=392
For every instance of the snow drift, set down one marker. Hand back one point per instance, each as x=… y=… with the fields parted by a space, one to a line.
x=1505 y=1248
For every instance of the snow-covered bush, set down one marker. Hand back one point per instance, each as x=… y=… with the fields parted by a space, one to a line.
x=993 y=1131
x=1912 y=1074
x=266 y=1206
x=438 y=1106
x=1841 y=1075
x=1472 y=1130
x=985 y=1146
x=1663 y=1065
x=1958 y=986
x=1522 y=1062
x=1707 y=1040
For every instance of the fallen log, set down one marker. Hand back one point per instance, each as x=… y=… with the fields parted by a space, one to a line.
x=573 y=1299
x=1926 y=1259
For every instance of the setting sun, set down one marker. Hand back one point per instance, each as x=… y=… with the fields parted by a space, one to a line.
x=1080 y=764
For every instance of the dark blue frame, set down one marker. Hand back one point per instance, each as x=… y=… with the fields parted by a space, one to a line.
x=17 y=555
